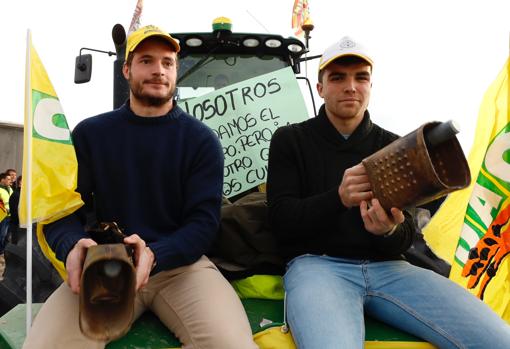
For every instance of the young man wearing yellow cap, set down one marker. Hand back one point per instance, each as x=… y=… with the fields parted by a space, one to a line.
x=171 y=224
x=343 y=249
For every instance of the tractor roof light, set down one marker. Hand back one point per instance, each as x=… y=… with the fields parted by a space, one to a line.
x=273 y=43
x=295 y=48
x=194 y=42
x=251 y=42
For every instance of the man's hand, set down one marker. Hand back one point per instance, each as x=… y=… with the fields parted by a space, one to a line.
x=74 y=263
x=355 y=186
x=376 y=219
x=144 y=259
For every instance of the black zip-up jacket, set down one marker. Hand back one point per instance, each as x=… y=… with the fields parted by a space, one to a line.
x=306 y=165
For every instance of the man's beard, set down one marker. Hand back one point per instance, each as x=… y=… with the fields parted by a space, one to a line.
x=148 y=100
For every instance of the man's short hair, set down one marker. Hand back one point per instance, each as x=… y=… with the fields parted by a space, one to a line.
x=345 y=61
x=3 y=176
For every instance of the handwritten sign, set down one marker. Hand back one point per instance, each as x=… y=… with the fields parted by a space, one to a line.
x=244 y=116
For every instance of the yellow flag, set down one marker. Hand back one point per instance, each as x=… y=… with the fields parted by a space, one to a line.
x=472 y=228
x=51 y=156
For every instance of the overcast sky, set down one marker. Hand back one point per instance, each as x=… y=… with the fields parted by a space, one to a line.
x=434 y=59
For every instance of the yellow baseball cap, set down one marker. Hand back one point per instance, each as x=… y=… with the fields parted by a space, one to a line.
x=345 y=47
x=136 y=37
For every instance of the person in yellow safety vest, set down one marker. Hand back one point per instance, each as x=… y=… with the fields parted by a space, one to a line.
x=5 y=194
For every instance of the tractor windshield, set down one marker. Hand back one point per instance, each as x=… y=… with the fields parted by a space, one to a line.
x=199 y=74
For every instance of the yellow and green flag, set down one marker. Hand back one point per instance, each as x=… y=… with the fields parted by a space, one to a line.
x=48 y=154
x=472 y=227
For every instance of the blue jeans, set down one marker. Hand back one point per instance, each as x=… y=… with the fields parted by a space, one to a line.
x=327 y=297
x=4 y=229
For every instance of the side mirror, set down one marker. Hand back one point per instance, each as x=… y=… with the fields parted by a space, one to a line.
x=83 y=69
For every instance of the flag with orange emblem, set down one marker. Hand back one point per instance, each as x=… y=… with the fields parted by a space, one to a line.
x=472 y=228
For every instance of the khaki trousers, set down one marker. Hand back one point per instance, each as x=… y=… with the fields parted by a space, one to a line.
x=195 y=302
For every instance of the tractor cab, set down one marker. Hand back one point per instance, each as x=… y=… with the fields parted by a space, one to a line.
x=209 y=61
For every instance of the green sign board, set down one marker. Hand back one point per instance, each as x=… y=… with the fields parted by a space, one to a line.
x=244 y=116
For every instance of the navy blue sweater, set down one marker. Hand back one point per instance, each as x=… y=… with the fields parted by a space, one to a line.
x=160 y=177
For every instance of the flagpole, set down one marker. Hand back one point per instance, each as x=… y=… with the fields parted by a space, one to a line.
x=28 y=182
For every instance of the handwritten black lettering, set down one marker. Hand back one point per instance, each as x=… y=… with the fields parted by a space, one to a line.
x=231 y=187
x=244 y=118
x=273 y=86
x=236 y=126
x=232 y=100
x=256 y=174
x=246 y=94
x=259 y=90
x=230 y=151
x=238 y=164
x=198 y=111
x=256 y=138
x=266 y=114
x=264 y=154
x=208 y=107
x=220 y=105
x=186 y=106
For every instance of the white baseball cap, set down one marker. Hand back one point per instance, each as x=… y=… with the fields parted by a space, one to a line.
x=345 y=47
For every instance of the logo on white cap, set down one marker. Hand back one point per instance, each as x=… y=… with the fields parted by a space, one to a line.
x=346 y=46
x=347 y=43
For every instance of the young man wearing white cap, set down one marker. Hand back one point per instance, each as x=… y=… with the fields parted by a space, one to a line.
x=171 y=223
x=343 y=249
